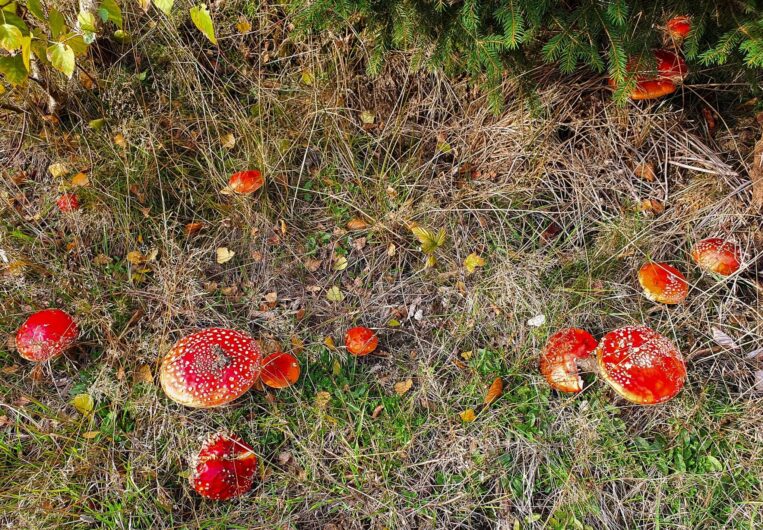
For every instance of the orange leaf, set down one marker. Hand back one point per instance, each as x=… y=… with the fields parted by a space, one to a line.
x=495 y=391
x=468 y=415
x=192 y=228
x=357 y=224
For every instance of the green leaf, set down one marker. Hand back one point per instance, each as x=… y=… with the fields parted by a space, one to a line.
x=109 y=11
x=10 y=7
x=77 y=42
x=165 y=6
x=97 y=124
x=26 y=51
x=14 y=20
x=13 y=69
x=56 y=23
x=61 y=56
x=35 y=7
x=84 y=403
x=202 y=20
x=10 y=37
x=86 y=21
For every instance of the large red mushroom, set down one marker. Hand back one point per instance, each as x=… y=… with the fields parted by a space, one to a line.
x=641 y=365
x=679 y=28
x=671 y=71
x=361 y=341
x=46 y=334
x=559 y=358
x=717 y=255
x=210 y=368
x=280 y=370
x=224 y=468
x=663 y=283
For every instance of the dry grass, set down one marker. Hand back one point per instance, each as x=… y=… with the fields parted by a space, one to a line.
x=535 y=459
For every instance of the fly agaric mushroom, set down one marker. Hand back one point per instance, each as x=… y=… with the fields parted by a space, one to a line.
x=224 y=468
x=671 y=70
x=663 y=283
x=280 y=370
x=559 y=358
x=361 y=341
x=245 y=182
x=679 y=28
x=68 y=202
x=717 y=255
x=46 y=334
x=641 y=365
x=210 y=367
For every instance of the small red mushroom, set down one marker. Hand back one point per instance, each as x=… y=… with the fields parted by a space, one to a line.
x=224 y=468
x=559 y=358
x=663 y=283
x=210 y=368
x=717 y=255
x=246 y=182
x=46 y=334
x=280 y=370
x=68 y=202
x=671 y=71
x=679 y=28
x=641 y=365
x=361 y=341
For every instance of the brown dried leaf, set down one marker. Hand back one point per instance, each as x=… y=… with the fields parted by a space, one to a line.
x=403 y=386
x=192 y=228
x=80 y=180
x=495 y=391
x=377 y=411
x=645 y=170
x=756 y=175
x=143 y=375
x=357 y=224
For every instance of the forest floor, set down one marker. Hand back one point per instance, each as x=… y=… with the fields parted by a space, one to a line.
x=545 y=193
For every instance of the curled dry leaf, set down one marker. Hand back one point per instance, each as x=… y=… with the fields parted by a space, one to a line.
x=59 y=169
x=645 y=170
x=334 y=294
x=652 y=205
x=403 y=386
x=722 y=339
x=473 y=261
x=495 y=391
x=377 y=411
x=192 y=228
x=228 y=141
x=143 y=374
x=357 y=224
x=224 y=255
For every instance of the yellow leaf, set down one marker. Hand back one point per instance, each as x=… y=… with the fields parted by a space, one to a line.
x=428 y=239
x=336 y=368
x=307 y=78
x=58 y=169
x=403 y=386
x=367 y=117
x=135 y=257
x=430 y=262
x=89 y=435
x=473 y=261
x=334 y=294
x=228 y=141
x=243 y=26
x=80 y=180
x=84 y=403
x=224 y=255
x=340 y=263
x=329 y=343
x=357 y=224
x=466 y=355
x=143 y=375
x=322 y=399
x=391 y=249
x=495 y=391
x=120 y=141
x=468 y=415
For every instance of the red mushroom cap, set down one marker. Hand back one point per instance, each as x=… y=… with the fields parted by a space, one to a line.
x=68 y=202
x=245 y=182
x=558 y=358
x=717 y=255
x=361 y=341
x=210 y=367
x=663 y=283
x=641 y=365
x=671 y=70
x=45 y=335
x=224 y=468
x=280 y=370
x=679 y=28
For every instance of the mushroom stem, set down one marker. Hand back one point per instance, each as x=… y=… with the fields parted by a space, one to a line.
x=587 y=364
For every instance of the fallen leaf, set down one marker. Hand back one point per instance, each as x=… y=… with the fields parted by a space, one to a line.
x=722 y=339
x=709 y=117
x=334 y=294
x=340 y=263
x=468 y=415
x=473 y=261
x=754 y=354
x=120 y=141
x=537 y=321
x=377 y=411
x=297 y=344
x=143 y=375
x=58 y=169
x=228 y=141
x=756 y=175
x=329 y=343
x=357 y=224
x=758 y=385
x=322 y=399
x=243 y=26
x=466 y=355
x=495 y=391
x=102 y=260
x=89 y=435
x=307 y=78
x=403 y=386
x=80 y=180
x=367 y=117
x=224 y=255
x=136 y=257
x=336 y=368
x=84 y=403
x=271 y=298
x=645 y=170
x=192 y=228
x=313 y=265
x=391 y=249
x=652 y=205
